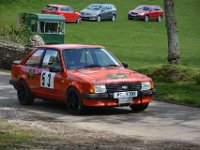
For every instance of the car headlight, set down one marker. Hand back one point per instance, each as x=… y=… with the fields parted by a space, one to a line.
x=141 y=13
x=146 y=85
x=99 y=88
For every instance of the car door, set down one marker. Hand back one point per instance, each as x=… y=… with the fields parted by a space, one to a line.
x=109 y=11
x=151 y=13
x=104 y=13
x=51 y=83
x=69 y=14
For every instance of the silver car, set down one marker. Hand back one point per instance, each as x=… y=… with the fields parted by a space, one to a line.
x=99 y=12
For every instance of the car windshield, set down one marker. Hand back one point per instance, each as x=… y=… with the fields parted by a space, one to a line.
x=142 y=8
x=94 y=7
x=88 y=58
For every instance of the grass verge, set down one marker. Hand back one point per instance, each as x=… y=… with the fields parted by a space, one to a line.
x=175 y=83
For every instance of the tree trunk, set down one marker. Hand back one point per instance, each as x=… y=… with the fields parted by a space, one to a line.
x=173 y=44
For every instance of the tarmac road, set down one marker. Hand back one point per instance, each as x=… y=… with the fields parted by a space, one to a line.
x=161 y=121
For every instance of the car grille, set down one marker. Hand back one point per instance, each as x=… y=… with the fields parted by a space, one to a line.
x=85 y=14
x=134 y=13
x=123 y=87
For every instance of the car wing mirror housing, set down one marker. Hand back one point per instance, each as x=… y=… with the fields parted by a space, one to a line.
x=55 y=68
x=125 y=64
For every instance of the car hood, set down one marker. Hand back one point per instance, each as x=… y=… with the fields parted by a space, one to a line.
x=109 y=75
x=89 y=11
x=138 y=11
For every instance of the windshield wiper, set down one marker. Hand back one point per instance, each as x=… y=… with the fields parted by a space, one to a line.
x=92 y=66
x=112 y=65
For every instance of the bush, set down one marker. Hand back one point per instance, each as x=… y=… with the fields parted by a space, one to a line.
x=197 y=78
x=18 y=35
x=172 y=73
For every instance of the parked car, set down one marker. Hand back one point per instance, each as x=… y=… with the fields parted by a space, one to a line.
x=50 y=27
x=80 y=76
x=66 y=11
x=146 y=13
x=99 y=12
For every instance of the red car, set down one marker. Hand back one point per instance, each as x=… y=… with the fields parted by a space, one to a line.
x=146 y=13
x=66 y=11
x=80 y=76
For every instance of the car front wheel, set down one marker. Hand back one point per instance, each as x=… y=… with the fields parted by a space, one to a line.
x=23 y=93
x=98 y=18
x=74 y=102
x=159 y=19
x=78 y=20
x=139 y=107
x=113 y=18
x=146 y=19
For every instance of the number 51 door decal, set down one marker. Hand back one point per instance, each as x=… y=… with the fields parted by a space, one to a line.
x=47 y=79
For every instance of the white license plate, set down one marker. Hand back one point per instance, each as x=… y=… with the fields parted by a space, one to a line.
x=127 y=94
x=133 y=15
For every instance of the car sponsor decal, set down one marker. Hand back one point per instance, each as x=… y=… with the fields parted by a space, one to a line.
x=31 y=74
x=117 y=76
x=47 y=79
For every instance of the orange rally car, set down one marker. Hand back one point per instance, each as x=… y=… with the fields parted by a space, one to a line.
x=80 y=76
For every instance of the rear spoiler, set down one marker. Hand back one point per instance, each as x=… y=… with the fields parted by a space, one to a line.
x=16 y=62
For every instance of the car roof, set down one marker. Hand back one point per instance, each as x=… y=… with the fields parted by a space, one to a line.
x=150 y=5
x=56 y=5
x=101 y=4
x=69 y=46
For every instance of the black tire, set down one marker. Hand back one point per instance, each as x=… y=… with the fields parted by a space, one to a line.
x=23 y=93
x=74 y=102
x=136 y=108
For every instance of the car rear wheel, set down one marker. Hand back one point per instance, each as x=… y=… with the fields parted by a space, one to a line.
x=23 y=93
x=139 y=107
x=146 y=19
x=113 y=18
x=74 y=102
x=159 y=19
x=78 y=20
x=98 y=18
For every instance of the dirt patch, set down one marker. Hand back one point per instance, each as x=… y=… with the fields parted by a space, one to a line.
x=41 y=132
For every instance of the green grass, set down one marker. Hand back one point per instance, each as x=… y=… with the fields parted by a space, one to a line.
x=139 y=43
x=182 y=93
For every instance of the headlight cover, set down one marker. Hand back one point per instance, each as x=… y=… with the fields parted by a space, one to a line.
x=142 y=13
x=146 y=85
x=100 y=88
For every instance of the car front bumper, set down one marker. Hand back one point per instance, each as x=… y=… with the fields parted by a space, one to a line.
x=139 y=17
x=106 y=99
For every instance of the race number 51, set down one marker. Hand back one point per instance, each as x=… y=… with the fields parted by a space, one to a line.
x=47 y=79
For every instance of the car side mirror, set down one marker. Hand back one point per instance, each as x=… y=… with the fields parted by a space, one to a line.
x=125 y=64
x=55 y=68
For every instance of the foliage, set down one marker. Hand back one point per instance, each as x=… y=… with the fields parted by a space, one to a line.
x=19 y=34
x=171 y=73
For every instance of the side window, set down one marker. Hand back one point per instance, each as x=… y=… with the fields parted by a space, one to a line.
x=35 y=59
x=63 y=9
x=51 y=57
x=86 y=57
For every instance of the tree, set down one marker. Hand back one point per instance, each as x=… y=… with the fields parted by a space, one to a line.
x=170 y=23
